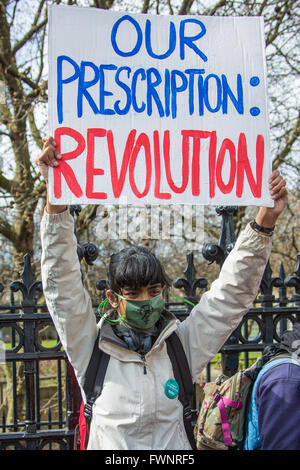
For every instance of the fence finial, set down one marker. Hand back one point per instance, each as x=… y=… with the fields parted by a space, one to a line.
x=190 y=283
x=219 y=252
x=27 y=286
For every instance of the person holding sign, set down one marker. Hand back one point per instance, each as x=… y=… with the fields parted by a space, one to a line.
x=136 y=409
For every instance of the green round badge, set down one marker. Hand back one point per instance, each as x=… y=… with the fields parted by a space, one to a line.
x=171 y=388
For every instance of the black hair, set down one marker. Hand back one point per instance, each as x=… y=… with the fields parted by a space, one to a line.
x=135 y=266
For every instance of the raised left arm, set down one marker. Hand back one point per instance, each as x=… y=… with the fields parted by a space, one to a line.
x=222 y=308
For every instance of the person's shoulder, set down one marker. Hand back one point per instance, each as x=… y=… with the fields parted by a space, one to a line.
x=284 y=372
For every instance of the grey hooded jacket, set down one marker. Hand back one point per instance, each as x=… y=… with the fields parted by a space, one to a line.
x=133 y=411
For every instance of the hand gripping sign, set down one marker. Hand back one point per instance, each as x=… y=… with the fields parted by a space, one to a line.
x=157 y=109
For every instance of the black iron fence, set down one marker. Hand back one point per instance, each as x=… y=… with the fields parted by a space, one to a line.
x=35 y=363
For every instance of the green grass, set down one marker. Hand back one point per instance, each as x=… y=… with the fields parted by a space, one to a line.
x=46 y=343
x=251 y=355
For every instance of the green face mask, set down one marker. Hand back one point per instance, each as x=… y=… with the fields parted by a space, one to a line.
x=143 y=314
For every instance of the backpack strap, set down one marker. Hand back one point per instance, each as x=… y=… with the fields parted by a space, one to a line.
x=96 y=370
x=183 y=376
x=93 y=382
x=281 y=355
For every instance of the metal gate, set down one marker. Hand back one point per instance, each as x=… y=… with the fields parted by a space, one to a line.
x=24 y=320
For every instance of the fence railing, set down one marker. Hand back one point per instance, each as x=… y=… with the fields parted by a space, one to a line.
x=32 y=419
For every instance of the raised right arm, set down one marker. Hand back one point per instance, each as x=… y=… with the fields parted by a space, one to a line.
x=68 y=302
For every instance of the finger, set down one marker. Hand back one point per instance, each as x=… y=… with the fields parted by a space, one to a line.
x=49 y=141
x=52 y=160
x=48 y=147
x=48 y=152
x=274 y=175
x=278 y=187
x=54 y=152
x=48 y=157
x=280 y=194
x=275 y=181
x=46 y=162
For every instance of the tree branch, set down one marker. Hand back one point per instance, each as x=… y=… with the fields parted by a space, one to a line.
x=220 y=4
x=7 y=230
x=293 y=136
x=28 y=35
x=38 y=12
x=262 y=7
x=5 y=183
x=103 y=4
x=4 y=133
x=86 y=216
x=34 y=130
x=170 y=7
x=10 y=69
x=145 y=6
x=14 y=13
x=286 y=58
x=185 y=7
x=273 y=33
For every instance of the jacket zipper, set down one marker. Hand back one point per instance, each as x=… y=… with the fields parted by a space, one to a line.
x=144 y=362
x=118 y=344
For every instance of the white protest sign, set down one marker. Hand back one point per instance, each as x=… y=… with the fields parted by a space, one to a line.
x=158 y=109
